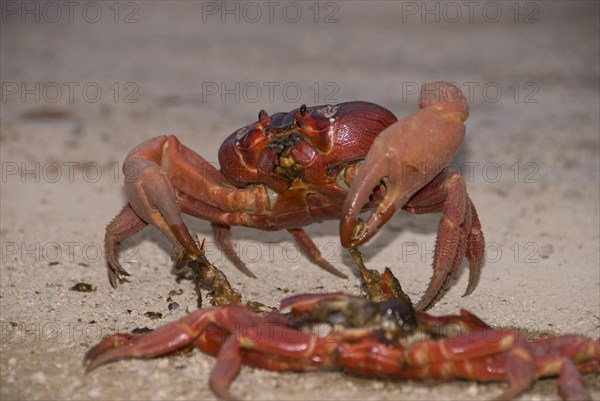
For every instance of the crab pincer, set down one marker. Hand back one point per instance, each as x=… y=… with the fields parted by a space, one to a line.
x=408 y=163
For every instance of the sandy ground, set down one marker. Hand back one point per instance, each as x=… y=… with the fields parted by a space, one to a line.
x=83 y=86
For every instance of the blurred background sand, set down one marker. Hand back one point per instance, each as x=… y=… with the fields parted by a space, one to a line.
x=88 y=82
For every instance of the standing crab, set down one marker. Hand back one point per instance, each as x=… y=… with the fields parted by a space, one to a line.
x=288 y=170
x=380 y=340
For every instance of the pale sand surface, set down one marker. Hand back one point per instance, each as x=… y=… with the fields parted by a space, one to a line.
x=531 y=159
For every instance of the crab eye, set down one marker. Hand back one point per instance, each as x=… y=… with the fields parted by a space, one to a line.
x=264 y=119
x=299 y=115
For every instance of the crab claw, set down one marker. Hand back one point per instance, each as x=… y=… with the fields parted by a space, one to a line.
x=404 y=159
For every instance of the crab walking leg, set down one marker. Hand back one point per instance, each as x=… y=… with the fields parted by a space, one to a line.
x=151 y=200
x=451 y=325
x=475 y=249
x=484 y=355
x=153 y=170
x=222 y=233
x=233 y=333
x=211 y=342
x=389 y=365
x=166 y=179
x=226 y=368
x=151 y=193
x=431 y=200
x=178 y=335
x=471 y=356
x=109 y=342
x=395 y=361
x=283 y=349
x=222 y=223
x=447 y=194
x=451 y=242
x=491 y=368
x=308 y=247
x=470 y=345
x=569 y=356
x=570 y=383
x=554 y=356
x=123 y=226
x=164 y=340
x=192 y=174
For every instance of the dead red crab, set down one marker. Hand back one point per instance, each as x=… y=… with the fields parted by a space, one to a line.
x=380 y=340
x=289 y=170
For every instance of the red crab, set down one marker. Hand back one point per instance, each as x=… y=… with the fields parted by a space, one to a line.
x=288 y=170
x=380 y=340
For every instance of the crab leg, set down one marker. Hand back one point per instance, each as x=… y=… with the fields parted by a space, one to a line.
x=570 y=383
x=432 y=199
x=222 y=233
x=159 y=168
x=475 y=249
x=471 y=356
x=164 y=340
x=283 y=349
x=226 y=368
x=452 y=238
x=164 y=179
x=311 y=251
x=369 y=356
x=124 y=225
x=233 y=333
x=192 y=174
x=445 y=326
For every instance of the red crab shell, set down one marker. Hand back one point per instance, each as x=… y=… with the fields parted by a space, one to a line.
x=309 y=143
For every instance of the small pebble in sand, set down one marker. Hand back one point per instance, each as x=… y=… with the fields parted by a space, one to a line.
x=38 y=378
x=473 y=390
x=94 y=393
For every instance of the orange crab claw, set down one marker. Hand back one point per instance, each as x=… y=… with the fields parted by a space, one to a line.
x=405 y=157
x=408 y=162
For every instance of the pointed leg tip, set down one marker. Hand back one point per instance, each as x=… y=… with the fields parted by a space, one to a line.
x=116 y=274
x=341 y=275
x=423 y=304
x=89 y=364
x=470 y=288
x=474 y=273
x=241 y=266
x=469 y=291
x=332 y=270
x=436 y=288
